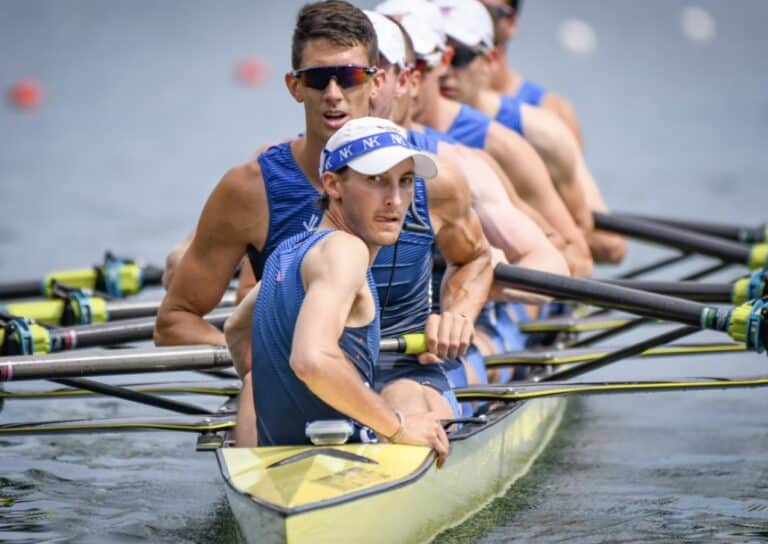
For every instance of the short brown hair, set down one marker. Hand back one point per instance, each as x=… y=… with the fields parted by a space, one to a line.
x=337 y=21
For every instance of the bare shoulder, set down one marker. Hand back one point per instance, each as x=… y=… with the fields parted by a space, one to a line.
x=450 y=186
x=340 y=256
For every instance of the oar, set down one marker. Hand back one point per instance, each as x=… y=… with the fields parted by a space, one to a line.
x=139 y=360
x=218 y=388
x=83 y=309
x=528 y=390
x=737 y=292
x=205 y=423
x=117 y=277
x=568 y=356
x=743 y=323
x=754 y=256
x=22 y=336
x=740 y=233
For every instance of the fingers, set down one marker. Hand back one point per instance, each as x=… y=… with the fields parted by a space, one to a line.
x=442 y=445
x=448 y=335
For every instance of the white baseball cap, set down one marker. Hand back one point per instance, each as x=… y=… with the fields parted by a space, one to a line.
x=391 y=43
x=467 y=21
x=430 y=22
x=371 y=145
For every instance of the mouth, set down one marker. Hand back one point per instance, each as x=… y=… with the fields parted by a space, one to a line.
x=335 y=119
x=389 y=220
x=448 y=91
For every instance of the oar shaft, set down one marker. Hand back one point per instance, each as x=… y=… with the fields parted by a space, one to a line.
x=19 y=289
x=691 y=290
x=681 y=239
x=118 y=332
x=104 y=362
x=739 y=233
x=611 y=296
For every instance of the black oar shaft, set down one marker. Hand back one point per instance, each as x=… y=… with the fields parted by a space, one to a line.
x=739 y=233
x=691 y=290
x=682 y=239
x=133 y=396
x=623 y=353
x=19 y=289
x=600 y=294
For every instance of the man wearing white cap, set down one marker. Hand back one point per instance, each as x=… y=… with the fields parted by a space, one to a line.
x=513 y=154
x=259 y=204
x=469 y=27
x=519 y=239
x=316 y=333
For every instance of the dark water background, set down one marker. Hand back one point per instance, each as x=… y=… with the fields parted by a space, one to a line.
x=142 y=116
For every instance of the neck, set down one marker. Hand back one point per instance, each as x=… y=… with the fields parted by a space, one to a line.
x=488 y=102
x=505 y=79
x=306 y=152
x=439 y=113
x=334 y=219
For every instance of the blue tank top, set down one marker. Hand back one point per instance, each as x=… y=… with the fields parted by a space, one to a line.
x=470 y=127
x=509 y=114
x=401 y=272
x=530 y=93
x=284 y=404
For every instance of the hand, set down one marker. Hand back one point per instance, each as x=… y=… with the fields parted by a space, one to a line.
x=425 y=429
x=579 y=259
x=448 y=336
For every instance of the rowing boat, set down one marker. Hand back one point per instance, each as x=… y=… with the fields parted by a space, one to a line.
x=383 y=492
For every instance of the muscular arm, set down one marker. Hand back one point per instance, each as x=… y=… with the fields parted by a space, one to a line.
x=529 y=175
x=505 y=226
x=561 y=154
x=563 y=109
x=234 y=215
x=459 y=236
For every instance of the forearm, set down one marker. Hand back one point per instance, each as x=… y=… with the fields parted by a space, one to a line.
x=237 y=331
x=179 y=327
x=329 y=373
x=465 y=288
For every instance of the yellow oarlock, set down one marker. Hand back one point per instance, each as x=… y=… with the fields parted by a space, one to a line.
x=738 y=323
x=50 y=312
x=41 y=339
x=129 y=279
x=758 y=257
x=740 y=291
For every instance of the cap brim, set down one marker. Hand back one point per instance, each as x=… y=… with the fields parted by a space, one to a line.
x=381 y=160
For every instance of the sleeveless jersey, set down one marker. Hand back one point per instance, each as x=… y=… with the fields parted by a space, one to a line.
x=284 y=404
x=509 y=114
x=530 y=93
x=470 y=127
x=403 y=282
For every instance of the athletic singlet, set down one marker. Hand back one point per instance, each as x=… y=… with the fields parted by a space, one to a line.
x=284 y=404
x=403 y=288
x=509 y=114
x=530 y=93
x=470 y=127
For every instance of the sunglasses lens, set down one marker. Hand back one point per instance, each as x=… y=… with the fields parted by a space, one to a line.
x=463 y=56
x=346 y=76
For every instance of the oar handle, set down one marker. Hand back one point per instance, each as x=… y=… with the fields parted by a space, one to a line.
x=412 y=343
x=739 y=233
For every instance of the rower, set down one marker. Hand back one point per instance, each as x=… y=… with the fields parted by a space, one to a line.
x=516 y=157
x=605 y=246
x=259 y=204
x=520 y=240
x=315 y=330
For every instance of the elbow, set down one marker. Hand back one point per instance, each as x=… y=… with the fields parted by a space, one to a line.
x=305 y=366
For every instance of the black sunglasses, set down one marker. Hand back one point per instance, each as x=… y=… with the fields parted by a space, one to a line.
x=462 y=56
x=502 y=12
x=347 y=76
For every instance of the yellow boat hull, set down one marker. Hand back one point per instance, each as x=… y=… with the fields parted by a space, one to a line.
x=382 y=492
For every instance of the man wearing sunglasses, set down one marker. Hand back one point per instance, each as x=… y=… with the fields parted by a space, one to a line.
x=470 y=30
x=517 y=238
x=517 y=158
x=261 y=203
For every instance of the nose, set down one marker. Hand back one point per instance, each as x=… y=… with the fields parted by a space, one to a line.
x=333 y=91
x=394 y=196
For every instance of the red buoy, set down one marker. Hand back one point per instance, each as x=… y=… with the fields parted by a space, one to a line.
x=251 y=72
x=26 y=94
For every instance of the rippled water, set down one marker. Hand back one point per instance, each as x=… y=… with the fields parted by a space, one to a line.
x=142 y=116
